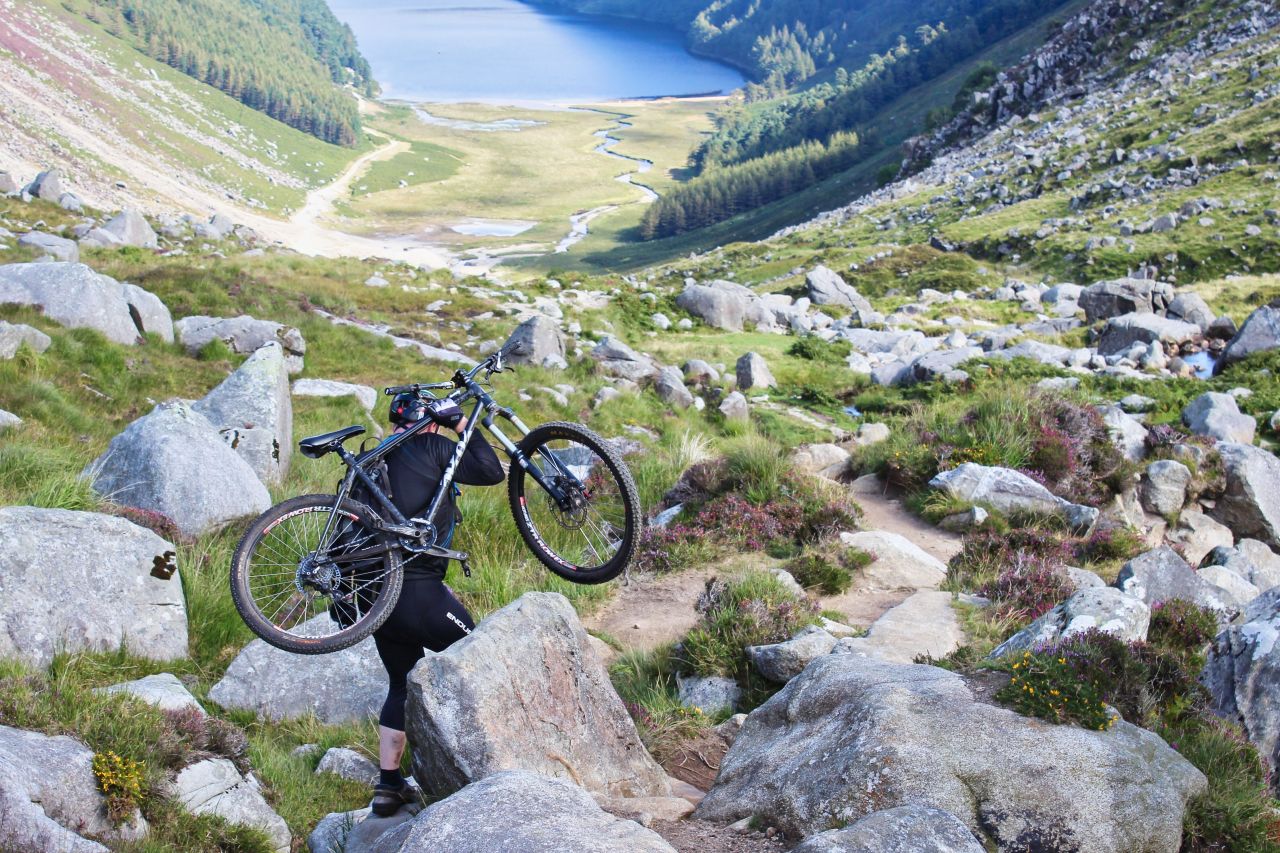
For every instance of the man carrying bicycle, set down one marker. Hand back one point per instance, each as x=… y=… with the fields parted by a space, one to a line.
x=427 y=614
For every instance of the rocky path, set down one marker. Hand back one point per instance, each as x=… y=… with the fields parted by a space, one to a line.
x=900 y=587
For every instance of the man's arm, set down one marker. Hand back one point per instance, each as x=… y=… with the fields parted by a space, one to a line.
x=479 y=465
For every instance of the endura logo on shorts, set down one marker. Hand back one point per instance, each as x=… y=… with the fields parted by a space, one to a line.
x=455 y=620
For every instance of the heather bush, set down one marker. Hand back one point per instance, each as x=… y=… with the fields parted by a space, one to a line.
x=1108 y=542
x=1182 y=629
x=1139 y=680
x=1029 y=586
x=750 y=610
x=1056 y=440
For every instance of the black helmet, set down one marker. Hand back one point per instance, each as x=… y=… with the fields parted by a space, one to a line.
x=407 y=409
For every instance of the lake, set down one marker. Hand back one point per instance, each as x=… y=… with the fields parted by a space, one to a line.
x=504 y=51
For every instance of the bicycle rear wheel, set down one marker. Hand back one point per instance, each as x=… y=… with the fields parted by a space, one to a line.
x=312 y=597
x=590 y=535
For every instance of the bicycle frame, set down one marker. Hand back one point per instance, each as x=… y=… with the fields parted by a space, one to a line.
x=467 y=390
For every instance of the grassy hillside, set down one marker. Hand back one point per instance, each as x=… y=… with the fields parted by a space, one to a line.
x=284 y=58
x=89 y=103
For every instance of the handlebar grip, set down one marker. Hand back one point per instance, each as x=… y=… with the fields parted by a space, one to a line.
x=399 y=389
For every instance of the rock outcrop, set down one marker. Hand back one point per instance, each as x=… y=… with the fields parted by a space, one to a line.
x=74 y=296
x=1251 y=504
x=906 y=828
x=1243 y=671
x=526 y=691
x=518 y=811
x=1009 y=492
x=1105 y=609
x=340 y=687
x=172 y=461
x=243 y=334
x=76 y=581
x=215 y=787
x=253 y=412
x=850 y=736
x=49 y=798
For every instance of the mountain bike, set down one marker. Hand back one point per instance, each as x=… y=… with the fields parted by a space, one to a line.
x=318 y=573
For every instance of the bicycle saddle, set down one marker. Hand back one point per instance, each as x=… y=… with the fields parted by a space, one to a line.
x=318 y=445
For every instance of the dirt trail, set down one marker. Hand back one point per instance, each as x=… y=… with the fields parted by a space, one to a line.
x=652 y=610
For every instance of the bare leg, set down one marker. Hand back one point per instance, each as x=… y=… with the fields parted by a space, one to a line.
x=390 y=748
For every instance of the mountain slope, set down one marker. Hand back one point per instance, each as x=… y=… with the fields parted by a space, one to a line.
x=280 y=57
x=1140 y=138
x=82 y=100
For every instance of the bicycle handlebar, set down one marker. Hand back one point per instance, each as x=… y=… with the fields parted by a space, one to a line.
x=492 y=364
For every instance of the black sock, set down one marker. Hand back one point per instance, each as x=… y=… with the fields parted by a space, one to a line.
x=390 y=778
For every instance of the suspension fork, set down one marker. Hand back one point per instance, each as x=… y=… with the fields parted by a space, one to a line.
x=518 y=456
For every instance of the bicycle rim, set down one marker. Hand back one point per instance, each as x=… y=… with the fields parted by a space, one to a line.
x=588 y=535
x=299 y=588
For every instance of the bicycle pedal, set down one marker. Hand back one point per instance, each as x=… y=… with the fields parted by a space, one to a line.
x=466 y=569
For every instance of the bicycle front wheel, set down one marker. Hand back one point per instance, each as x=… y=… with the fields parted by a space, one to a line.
x=584 y=526
x=313 y=577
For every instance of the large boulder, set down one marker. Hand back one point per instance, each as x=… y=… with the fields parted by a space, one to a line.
x=850 y=736
x=345 y=686
x=670 y=388
x=1124 y=331
x=172 y=461
x=72 y=295
x=1218 y=416
x=1251 y=504
x=717 y=307
x=618 y=359
x=901 y=830
x=1162 y=575
x=1164 y=487
x=1190 y=307
x=58 y=248
x=781 y=662
x=367 y=397
x=1243 y=671
x=163 y=690
x=518 y=811
x=243 y=335
x=76 y=581
x=215 y=787
x=47 y=185
x=899 y=563
x=1260 y=332
x=539 y=341
x=150 y=315
x=1009 y=492
x=924 y=624
x=525 y=690
x=1197 y=534
x=826 y=287
x=15 y=335
x=1252 y=560
x=1101 y=608
x=132 y=229
x=1127 y=432
x=752 y=372
x=253 y=411
x=1107 y=299
x=49 y=797
x=825 y=460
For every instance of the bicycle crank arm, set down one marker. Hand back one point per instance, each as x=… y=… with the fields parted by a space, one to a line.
x=438 y=551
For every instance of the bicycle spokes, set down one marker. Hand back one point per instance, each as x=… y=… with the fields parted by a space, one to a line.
x=294 y=577
x=582 y=520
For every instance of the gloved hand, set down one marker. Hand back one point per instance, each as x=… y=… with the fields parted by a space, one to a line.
x=445 y=412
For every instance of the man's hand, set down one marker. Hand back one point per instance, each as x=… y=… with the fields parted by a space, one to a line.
x=461 y=425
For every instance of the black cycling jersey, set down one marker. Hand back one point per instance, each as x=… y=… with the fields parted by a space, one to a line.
x=414 y=470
